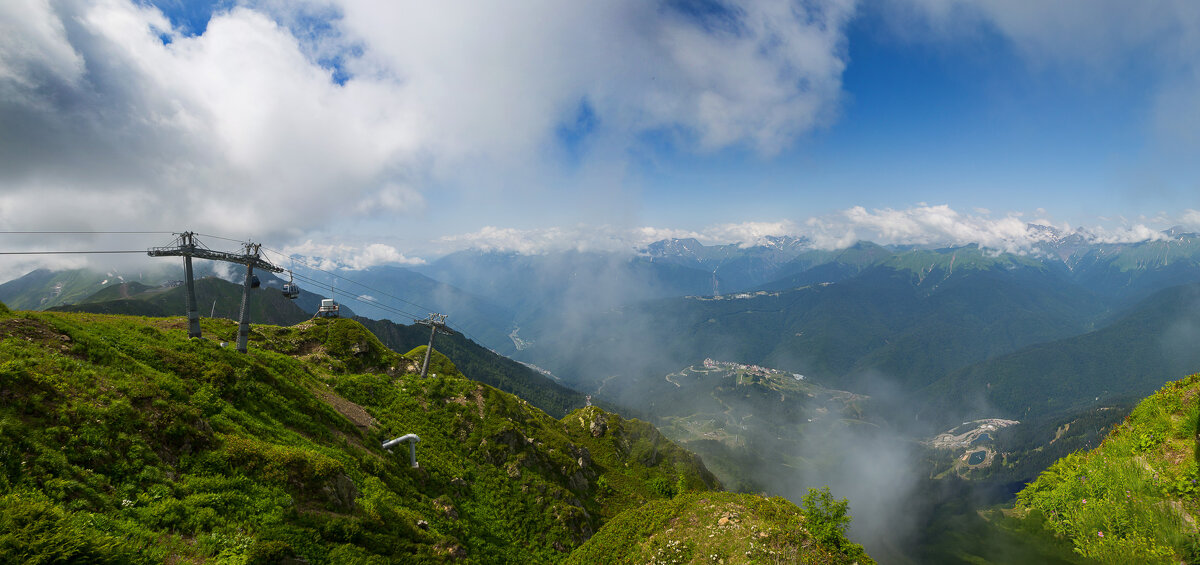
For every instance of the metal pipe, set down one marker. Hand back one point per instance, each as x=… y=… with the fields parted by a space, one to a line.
x=412 y=447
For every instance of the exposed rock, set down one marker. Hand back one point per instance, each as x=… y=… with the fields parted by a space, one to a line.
x=578 y=482
x=599 y=425
x=451 y=550
x=445 y=506
x=341 y=493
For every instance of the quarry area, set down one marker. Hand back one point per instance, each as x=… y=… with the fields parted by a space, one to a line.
x=969 y=433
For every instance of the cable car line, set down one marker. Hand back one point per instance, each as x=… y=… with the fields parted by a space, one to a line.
x=352 y=281
x=289 y=287
x=68 y=252
x=85 y=232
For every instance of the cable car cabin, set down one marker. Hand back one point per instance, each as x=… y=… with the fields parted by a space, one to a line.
x=328 y=309
x=291 y=290
x=254 y=282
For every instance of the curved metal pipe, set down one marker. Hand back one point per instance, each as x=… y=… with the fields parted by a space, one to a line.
x=412 y=446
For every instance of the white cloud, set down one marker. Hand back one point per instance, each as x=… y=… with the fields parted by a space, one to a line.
x=1127 y=234
x=924 y=225
x=606 y=238
x=1190 y=218
x=748 y=233
x=342 y=256
x=123 y=121
x=921 y=225
x=545 y=240
x=1096 y=33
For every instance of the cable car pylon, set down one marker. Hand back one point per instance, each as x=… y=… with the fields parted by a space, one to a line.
x=437 y=324
x=187 y=247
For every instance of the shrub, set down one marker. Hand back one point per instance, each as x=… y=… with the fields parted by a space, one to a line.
x=826 y=518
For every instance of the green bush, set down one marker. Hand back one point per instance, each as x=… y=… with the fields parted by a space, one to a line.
x=35 y=530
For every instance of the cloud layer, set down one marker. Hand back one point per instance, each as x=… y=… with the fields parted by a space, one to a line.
x=281 y=118
x=925 y=225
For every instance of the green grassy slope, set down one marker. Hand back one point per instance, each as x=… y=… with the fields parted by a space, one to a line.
x=269 y=306
x=725 y=528
x=483 y=365
x=1134 y=499
x=44 y=288
x=123 y=441
x=1130 y=272
x=215 y=297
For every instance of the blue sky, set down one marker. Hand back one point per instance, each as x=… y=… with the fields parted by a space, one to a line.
x=966 y=123
x=422 y=128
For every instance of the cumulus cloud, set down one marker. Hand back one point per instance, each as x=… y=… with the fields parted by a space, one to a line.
x=268 y=123
x=342 y=256
x=748 y=233
x=921 y=225
x=1126 y=234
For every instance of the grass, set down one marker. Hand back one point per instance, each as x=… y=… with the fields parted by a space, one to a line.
x=121 y=440
x=1135 y=499
x=725 y=528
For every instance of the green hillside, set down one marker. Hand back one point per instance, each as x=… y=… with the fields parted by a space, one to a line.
x=1129 y=272
x=125 y=441
x=483 y=365
x=269 y=306
x=1126 y=359
x=726 y=528
x=43 y=288
x=1134 y=499
x=214 y=297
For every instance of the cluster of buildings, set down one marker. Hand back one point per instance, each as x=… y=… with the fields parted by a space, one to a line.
x=750 y=369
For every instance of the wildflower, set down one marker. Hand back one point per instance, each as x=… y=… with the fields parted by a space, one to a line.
x=1085 y=501
x=1101 y=534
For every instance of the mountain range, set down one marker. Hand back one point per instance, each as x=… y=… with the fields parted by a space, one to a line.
x=934 y=322
x=873 y=346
